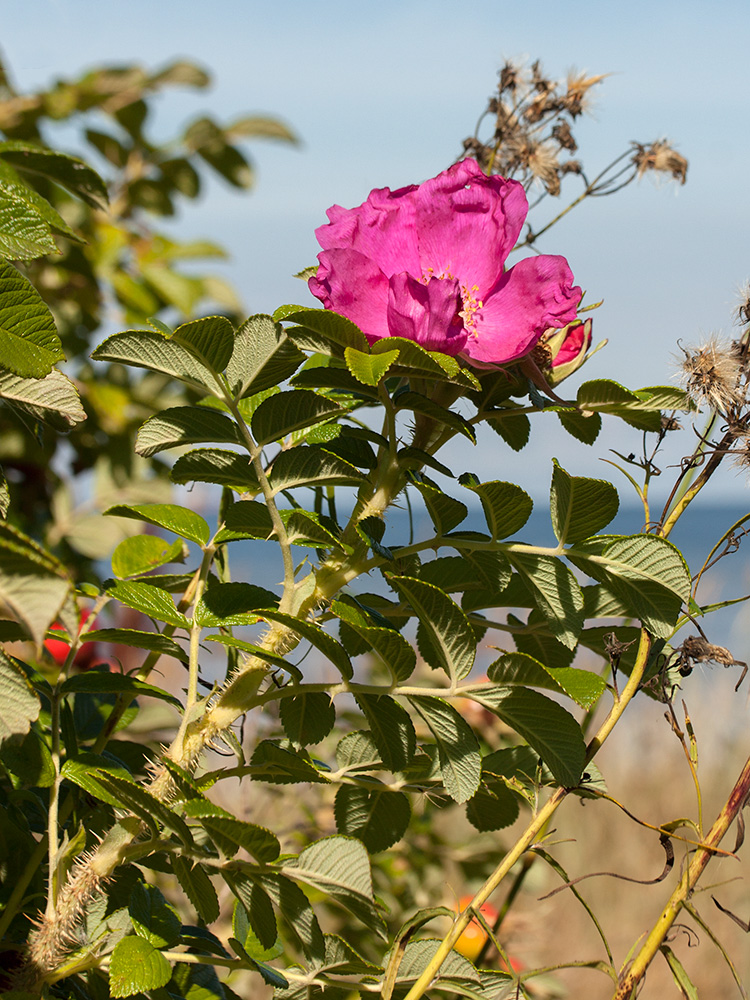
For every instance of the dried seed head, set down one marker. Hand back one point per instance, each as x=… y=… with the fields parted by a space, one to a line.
x=670 y=423
x=743 y=306
x=576 y=101
x=561 y=132
x=543 y=165
x=661 y=158
x=508 y=78
x=711 y=374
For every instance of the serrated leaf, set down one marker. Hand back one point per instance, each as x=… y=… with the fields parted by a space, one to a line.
x=391 y=729
x=556 y=591
x=32 y=584
x=258 y=909
x=330 y=376
x=153 y=641
x=311 y=465
x=606 y=396
x=101 y=682
x=315 y=635
x=303 y=527
x=545 y=725
x=376 y=816
x=140 y=554
x=24 y=232
x=330 y=332
x=29 y=343
x=340 y=867
x=452 y=644
x=397 y=654
x=286 y=412
x=279 y=766
x=152 y=601
x=210 y=339
x=307 y=717
x=30 y=760
x=358 y=751
x=198 y=887
x=445 y=511
x=263 y=357
x=152 y=917
x=514 y=428
x=580 y=507
x=584 y=687
x=140 y=802
x=368 y=368
x=149 y=349
x=230 y=834
x=414 y=359
x=492 y=808
x=214 y=465
x=183 y=425
x=136 y=965
x=245 y=519
x=68 y=171
x=506 y=506
x=52 y=399
x=18 y=698
x=231 y=604
x=418 y=403
x=458 y=750
x=295 y=908
x=584 y=427
x=180 y=520
x=262 y=654
x=417 y=956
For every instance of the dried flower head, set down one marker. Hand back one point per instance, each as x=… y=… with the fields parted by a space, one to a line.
x=661 y=158
x=576 y=100
x=743 y=308
x=711 y=375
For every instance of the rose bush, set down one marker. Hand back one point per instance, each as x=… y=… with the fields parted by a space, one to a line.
x=427 y=263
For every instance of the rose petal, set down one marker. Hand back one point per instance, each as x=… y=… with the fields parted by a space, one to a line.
x=352 y=285
x=382 y=228
x=426 y=313
x=534 y=295
x=467 y=224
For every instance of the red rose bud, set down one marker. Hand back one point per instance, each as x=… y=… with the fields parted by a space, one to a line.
x=566 y=349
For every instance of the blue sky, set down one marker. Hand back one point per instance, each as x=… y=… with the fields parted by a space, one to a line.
x=383 y=95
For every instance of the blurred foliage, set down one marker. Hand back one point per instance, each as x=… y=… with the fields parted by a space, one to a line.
x=107 y=260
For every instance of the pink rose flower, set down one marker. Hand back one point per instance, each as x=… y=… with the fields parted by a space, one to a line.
x=426 y=262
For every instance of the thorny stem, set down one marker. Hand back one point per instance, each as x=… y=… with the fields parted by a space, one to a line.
x=631 y=979
x=533 y=831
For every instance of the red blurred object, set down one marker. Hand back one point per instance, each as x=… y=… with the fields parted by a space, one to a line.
x=86 y=656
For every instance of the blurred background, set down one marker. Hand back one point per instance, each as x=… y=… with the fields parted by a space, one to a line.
x=384 y=95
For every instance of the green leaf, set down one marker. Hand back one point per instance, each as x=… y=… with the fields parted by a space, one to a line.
x=152 y=917
x=226 y=604
x=545 y=725
x=376 y=816
x=258 y=909
x=29 y=759
x=52 y=399
x=18 y=698
x=606 y=396
x=101 y=682
x=210 y=340
x=368 y=368
x=514 y=428
x=213 y=465
x=445 y=511
x=263 y=357
x=245 y=519
x=149 y=349
x=413 y=359
x=340 y=867
x=583 y=427
x=230 y=834
x=24 y=232
x=198 y=887
x=67 y=171
x=580 y=507
x=245 y=934
x=423 y=404
x=279 y=766
x=357 y=751
x=183 y=425
x=451 y=640
x=33 y=586
x=295 y=908
x=140 y=554
x=324 y=331
x=397 y=654
x=391 y=729
x=492 y=808
x=285 y=412
x=647 y=574
x=584 y=687
x=181 y=520
x=153 y=641
x=29 y=344
x=303 y=527
x=418 y=955
x=315 y=635
x=152 y=601
x=683 y=981
x=458 y=750
x=556 y=592
x=307 y=717
x=137 y=965
x=311 y=466
x=506 y=506
x=141 y=803
x=262 y=654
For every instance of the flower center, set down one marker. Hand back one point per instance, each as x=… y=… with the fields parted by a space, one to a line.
x=471 y=304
